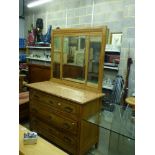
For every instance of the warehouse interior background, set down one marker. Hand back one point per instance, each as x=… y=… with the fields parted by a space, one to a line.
x=119 y=17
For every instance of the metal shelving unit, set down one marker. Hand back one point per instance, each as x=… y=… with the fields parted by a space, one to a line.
x=38 y=47
x=38 y=59
x=112 y=68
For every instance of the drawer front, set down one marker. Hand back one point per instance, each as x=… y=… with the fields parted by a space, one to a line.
x=67 y=142
x=51 y=118
x=55 y=102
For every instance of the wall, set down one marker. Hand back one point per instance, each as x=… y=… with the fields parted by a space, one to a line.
x=21 y=8
x=77 y=13
x=118 y=15
x=128 y=44
x=21 y=28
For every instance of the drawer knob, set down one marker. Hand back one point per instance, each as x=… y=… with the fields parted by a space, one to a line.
x=68 y=109
x=59 y=103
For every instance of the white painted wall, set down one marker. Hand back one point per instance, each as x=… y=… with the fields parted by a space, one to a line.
x=22 y=28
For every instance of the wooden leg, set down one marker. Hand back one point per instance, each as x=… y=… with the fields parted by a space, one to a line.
x=96 y=145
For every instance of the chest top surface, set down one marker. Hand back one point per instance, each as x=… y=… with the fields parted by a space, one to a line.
x=67 y=92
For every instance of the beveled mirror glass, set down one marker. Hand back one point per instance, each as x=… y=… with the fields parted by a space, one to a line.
x=74 y=58
x=56 y=57
x=93 y=59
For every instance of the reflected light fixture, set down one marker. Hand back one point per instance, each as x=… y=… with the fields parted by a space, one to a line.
x=37 y=3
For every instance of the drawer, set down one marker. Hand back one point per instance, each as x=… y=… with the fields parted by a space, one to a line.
x=42 y=128
x=38 y=95
x=51 y=101
x=57 y=121
x=67 y=142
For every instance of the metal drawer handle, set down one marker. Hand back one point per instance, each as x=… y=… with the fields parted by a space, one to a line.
x=68 y=109
x=66 y=139
x=66 y=126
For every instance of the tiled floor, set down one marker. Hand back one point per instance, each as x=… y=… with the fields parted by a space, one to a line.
x=118 y=145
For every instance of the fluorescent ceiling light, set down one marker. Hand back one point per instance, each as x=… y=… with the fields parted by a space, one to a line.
x=36 y=3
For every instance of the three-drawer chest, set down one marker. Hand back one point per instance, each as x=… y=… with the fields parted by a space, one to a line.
x=57 y=112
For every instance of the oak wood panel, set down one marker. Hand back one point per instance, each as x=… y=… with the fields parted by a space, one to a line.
x=88 y=132
x=67 y=92
x=64 y=105
x=91 y=108
x=50 y=102
x=60 y=126
x=65 y=141
x=51 y=118
x=78 y=31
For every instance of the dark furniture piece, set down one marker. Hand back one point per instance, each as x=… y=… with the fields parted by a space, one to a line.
x=38 y=73
x=23 y=106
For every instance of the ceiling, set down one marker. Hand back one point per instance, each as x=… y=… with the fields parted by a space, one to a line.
x=28 y=1
x=22 y=5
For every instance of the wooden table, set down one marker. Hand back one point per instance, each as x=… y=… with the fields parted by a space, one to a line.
x=41 y=148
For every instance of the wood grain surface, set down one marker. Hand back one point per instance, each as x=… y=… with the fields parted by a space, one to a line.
x=67 y=92
x=41 y=148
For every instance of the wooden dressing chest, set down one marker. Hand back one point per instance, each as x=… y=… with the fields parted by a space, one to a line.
x=57 y=112
x=58 y=107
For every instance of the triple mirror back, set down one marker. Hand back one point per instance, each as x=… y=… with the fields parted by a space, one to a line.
x=78 y=56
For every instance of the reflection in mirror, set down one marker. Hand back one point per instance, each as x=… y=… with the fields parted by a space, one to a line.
x=74 y=58
x=93 y=60
x=56 y=57
x=57 y=43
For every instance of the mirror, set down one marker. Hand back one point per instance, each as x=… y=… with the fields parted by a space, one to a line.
x=78 y=57
x=56 y=57
x=93 y=60
x=74 y=48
